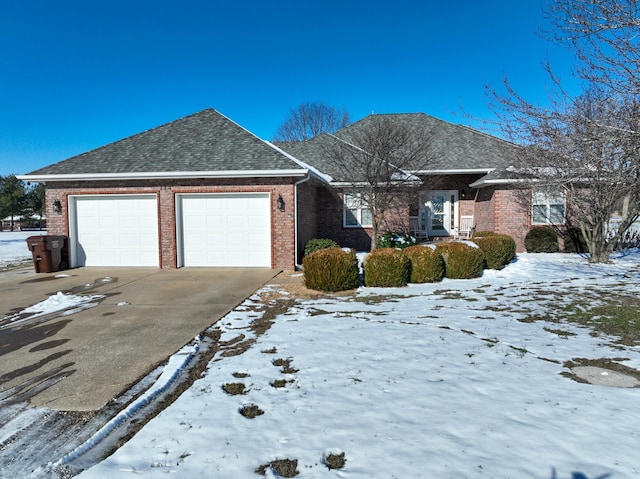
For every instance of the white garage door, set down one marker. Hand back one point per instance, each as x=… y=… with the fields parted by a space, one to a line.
x=226 y=230
x=115 y=231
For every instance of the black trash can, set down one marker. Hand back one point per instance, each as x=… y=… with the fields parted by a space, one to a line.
x=49 y=253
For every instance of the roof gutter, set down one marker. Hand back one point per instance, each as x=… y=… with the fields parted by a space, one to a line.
x=470 y=171
x=481 y=183
x=162 y=175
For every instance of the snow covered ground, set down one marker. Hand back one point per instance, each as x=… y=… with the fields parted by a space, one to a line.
x=13 y=246
x=447 y=380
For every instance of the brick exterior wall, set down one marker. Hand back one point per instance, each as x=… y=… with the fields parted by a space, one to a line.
x=511 y=216
x=330 y=207
x=282 y=222
x=307 y=216
x=484 y=207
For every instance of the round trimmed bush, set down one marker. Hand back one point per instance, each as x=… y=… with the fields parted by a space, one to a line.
x=395 y=240
x=427 y=264
x=541 y=239
x=498 y=249
x=331 y=269
x=386 y=267
x=462 y=261
x=319 y=243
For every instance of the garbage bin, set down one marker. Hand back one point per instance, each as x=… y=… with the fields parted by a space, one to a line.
x=48 y=253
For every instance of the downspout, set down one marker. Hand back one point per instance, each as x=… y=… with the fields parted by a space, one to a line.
x=295 y=219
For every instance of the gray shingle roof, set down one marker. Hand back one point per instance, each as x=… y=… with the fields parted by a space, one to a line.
x=203 y=142
x=451 y=148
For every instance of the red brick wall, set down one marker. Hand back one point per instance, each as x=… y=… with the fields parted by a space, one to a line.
x=282 y=222
x=330 y=222
x=484 y=207
x=511 y=216
x=307 y=216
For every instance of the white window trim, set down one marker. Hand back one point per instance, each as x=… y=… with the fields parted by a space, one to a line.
x=355 y=211
x=548 y=198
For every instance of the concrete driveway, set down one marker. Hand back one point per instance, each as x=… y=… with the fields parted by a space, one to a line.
x=80 y=361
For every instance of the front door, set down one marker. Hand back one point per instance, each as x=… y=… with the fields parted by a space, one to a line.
x=439 y=212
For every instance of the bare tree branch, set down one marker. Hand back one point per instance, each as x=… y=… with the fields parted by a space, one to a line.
x=309 y=120
x=378 y=159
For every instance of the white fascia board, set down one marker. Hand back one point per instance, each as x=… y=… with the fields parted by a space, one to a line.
x=163 y=175
x=498 y=181
x=470 y=171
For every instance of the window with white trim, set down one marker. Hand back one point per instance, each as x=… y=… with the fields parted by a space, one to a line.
x=356 y=211
x=549 y=208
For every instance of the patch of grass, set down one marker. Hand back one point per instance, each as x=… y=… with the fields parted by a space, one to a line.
x=285 y=365
x=382 y=298
x=554 y=361
x=620 y=317
x=280 y=467
x=272 y=309
x=560 y=332
x=538 y=317
x=273 y=350
x=448 y=293
x=335 y=461
x=251 y=411
x=280 y=383
x=240 y=375
x=521 y=351
x=234 y=389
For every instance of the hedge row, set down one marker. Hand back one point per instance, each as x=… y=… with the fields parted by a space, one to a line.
x=335 y=269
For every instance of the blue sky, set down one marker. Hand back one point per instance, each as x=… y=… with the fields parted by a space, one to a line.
x=76 y=75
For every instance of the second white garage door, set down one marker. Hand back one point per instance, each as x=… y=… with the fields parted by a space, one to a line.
x=225 y=230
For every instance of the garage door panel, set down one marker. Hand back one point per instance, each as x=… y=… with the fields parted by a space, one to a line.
x=226 y=230
x=116 y=230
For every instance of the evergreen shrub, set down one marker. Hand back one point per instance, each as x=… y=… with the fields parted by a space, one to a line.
x=386 y=267
x=498 y=249
x=331 y=269
x=427 y=264
x=462 y=261
x=541 y=239
x=395 y=240
x=319 y=243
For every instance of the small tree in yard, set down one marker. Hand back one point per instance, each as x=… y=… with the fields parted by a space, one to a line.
x=311 y=119
x=377 y=159
x=12 y=197
x=586 y=147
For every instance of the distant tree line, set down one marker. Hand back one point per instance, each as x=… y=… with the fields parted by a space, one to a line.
x=20 y=202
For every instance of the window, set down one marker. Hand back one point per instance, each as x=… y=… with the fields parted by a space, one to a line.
x=549 y=208
x=356 y=211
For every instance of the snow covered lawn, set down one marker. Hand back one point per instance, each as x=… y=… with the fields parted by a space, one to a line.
x=460 y=379
x=13 y=246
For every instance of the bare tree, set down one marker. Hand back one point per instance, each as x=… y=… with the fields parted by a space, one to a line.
x=309 y=120
x=377 y=158
x=603 y=35
x=586 y=146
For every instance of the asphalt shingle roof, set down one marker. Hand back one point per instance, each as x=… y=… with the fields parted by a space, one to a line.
x=451 y=147
x=203 y=142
